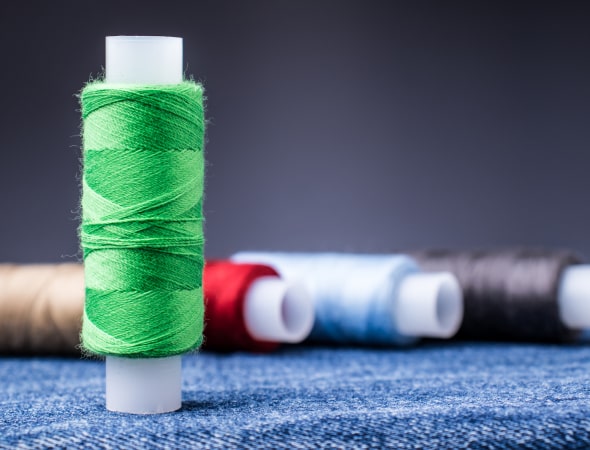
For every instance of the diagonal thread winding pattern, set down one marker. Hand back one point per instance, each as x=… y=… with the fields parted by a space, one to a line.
x=142 y=218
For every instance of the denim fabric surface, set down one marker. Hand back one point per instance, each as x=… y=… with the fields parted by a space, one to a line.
x=456 y=395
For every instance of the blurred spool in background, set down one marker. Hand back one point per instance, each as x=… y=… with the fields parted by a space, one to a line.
x=41 y=308
x=370 y=299
x=519 y=294
x=249 y=307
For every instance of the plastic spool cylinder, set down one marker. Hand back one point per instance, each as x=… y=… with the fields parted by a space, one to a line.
x=148 y=385
x=277 y=311
x=429 y=305
x=573 y=297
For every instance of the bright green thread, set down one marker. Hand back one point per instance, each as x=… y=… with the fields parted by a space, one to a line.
x=142 y=218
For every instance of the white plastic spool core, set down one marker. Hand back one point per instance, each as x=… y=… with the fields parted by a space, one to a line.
x=429 y=305
x=151 y=385
x=277 y=311
x=574 y=297
x=143 y=60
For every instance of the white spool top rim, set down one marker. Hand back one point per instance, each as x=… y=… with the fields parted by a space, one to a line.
x=143 y=60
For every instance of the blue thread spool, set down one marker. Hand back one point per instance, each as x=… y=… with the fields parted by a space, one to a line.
x=371 y=299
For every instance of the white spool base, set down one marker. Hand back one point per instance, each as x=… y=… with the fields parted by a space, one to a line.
x=429 y=305
x=143 y=386
x=574 y=297
x=277 y=311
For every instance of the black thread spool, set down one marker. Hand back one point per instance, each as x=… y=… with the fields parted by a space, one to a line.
x=515 y=294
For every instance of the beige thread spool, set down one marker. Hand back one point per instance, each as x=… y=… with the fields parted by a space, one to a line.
x=41 y=308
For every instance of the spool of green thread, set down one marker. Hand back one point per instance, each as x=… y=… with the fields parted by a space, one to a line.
x=142 y=217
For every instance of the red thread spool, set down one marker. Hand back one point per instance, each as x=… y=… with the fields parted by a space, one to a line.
x=226 y=285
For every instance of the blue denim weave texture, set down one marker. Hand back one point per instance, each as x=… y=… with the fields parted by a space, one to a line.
x=452 y=395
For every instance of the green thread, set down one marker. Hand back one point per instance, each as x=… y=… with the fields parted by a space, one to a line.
x=142 y=219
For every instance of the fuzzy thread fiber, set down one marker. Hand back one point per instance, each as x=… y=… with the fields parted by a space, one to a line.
x=141 y=231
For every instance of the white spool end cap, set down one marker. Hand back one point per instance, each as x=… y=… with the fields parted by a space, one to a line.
x=143 y=386
x=429 y=305
x=574 y=297
x=277 y=311
x=143 y=60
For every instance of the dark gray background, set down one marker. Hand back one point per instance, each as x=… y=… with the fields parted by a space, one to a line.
x=334 y=125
